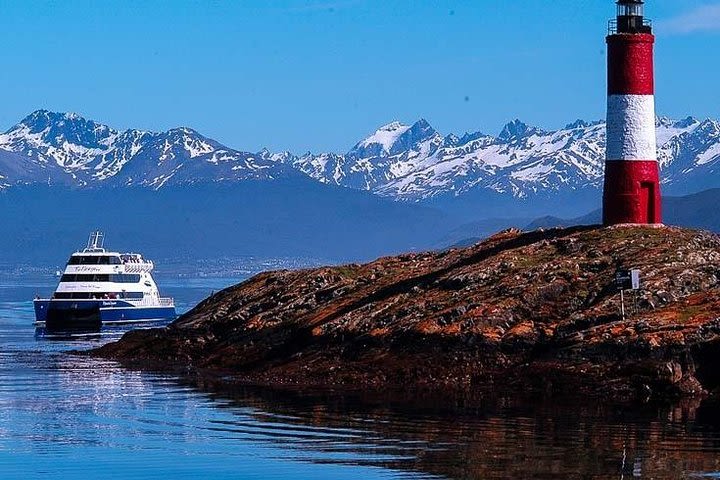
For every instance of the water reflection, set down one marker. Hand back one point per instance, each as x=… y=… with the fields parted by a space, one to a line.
x=498 y=438
x=63 y=416
x=110 y=331
x=66 y=415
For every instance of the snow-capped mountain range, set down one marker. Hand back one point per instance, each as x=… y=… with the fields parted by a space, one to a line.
x=404 y=162
x=67 y=149
x=418 y=163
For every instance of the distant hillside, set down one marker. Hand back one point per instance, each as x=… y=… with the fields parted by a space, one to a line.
x=280 y=218
x=288 y=217
x=693 y=211
x=698 y=210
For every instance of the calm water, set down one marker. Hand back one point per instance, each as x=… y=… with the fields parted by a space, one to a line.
x=68 y=417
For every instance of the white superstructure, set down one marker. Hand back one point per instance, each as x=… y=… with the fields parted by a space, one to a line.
x=95 y=273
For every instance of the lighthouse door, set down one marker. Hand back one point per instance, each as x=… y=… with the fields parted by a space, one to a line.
x=647 y=202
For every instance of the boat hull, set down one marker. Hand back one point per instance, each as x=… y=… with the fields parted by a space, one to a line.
x=90 y=313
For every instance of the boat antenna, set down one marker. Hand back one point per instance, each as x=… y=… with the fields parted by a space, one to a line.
x=96 y=241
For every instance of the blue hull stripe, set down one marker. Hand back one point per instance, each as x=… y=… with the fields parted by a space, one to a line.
x=119 y=311
x=136 y=313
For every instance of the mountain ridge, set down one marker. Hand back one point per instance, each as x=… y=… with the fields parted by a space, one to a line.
x=405 y=162
x=70 y=150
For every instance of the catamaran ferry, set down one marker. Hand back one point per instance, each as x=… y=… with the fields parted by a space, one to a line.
x=102 y=287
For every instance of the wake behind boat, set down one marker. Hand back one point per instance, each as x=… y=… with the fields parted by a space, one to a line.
x=103 y=287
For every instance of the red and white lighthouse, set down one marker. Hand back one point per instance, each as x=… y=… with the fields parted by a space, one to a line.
x=632 y=188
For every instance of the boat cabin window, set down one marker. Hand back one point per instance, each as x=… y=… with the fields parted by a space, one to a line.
x=132 y=295
x=117 y=278
x=74 y=295
x=96 y=295
x=125 y=278
x=94 y=260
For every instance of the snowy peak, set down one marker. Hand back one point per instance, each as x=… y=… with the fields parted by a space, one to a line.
x=709 y=127
x=182 y=141
x=394 y=150
x=65 y=140
x=380 y=142
x=666 y=122
x=59 y=128
x=412 y=137
x=579 y=124
x=686 y=122
x=469 y=137
x=516 y=129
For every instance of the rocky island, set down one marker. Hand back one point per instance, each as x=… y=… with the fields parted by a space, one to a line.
x=536 y=311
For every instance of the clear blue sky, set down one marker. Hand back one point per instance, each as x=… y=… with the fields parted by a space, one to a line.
x=321 y=74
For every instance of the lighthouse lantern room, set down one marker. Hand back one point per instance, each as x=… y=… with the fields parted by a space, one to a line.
x=630 y=17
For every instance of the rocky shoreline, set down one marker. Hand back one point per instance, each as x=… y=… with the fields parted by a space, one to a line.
x=533 y=311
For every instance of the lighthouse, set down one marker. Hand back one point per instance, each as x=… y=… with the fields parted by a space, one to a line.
x=631 y=193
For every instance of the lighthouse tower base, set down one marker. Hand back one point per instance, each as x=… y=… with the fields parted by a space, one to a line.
x=631 y=193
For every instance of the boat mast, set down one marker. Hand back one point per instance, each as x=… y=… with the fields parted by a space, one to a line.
x=96 y=242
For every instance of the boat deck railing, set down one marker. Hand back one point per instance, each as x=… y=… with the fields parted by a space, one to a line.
x=646 y=25
x=139 y=267
x=153 y=302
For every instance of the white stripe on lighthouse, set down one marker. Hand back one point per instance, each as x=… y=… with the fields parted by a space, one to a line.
x=631 y=127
